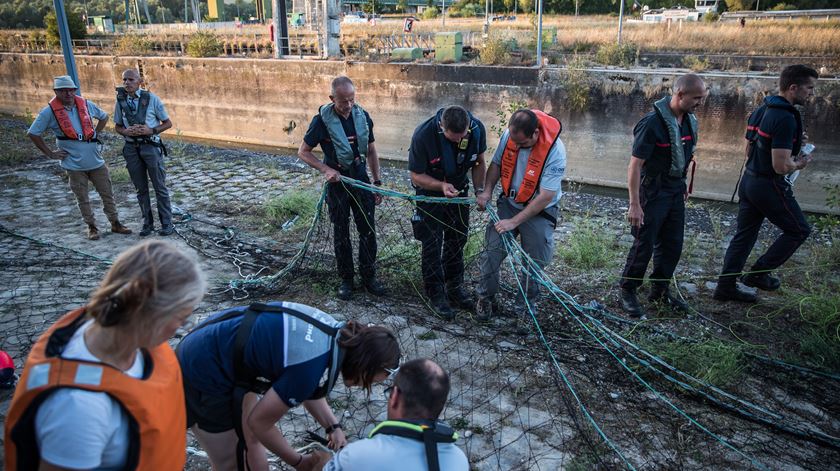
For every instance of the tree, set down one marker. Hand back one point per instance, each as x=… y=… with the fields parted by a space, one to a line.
x=402 y=6
x=739 y=5
x=74 y=24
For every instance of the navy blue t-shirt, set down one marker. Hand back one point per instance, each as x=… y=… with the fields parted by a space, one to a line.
x=652 y=144
x=424 y=154
x=778 y=128
x=317 y=134
x=206 y=355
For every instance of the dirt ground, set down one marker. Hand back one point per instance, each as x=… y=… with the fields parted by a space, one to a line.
x=723 y=386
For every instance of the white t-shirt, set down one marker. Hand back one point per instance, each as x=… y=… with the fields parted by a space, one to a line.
x=82 y=429
x=553 y=171
x=390 y=452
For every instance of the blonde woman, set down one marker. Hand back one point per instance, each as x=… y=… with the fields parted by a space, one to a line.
x=101 y=388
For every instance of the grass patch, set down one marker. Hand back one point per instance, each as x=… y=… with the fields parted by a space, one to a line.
x=120 y=175
x=474 y=246
x=588 y=247
x=295 y=208
x=713 y=361
x=12 y=156
x=428 y=335
x=819 y=340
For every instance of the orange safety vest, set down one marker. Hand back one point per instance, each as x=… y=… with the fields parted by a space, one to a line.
x=549 y=128
x=66 y=125
x=154 y=403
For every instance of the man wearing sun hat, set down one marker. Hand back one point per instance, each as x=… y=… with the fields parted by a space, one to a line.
x=70 y=118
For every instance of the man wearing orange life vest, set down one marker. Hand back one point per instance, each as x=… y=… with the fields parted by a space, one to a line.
x=70 y=117
x=530 y=162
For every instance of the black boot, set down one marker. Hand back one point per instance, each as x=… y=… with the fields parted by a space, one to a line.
x=374 y=287
x=441 y=305
x=630 y=303
x=731 y=292
x=459 y=298
x=763 y=281
x=345 y=289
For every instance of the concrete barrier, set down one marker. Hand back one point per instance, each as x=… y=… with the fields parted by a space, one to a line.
x=271 y=102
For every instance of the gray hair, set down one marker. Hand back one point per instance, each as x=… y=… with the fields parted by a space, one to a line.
x=340 y=82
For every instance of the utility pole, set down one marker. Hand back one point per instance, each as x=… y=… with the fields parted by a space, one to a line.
x=127 y=16
x=281 y=29
x=539 y=33
x=66 y=43
x=443 y=16
x=620 y=20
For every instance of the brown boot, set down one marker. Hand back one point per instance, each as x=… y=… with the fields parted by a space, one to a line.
x=118 y=228
x=93 y=232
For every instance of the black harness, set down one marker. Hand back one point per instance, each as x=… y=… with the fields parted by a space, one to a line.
x=429 y=432
x=247 y=380
x=138 y=116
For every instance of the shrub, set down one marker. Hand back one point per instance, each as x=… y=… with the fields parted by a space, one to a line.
x=132 y=45
x=695 y=63
x=430 y=13
x=783 y=7
x=576 y=84
x=204 y=44
x=74 y=24
x=496 y=51
x=623 y=55
x=711 y=17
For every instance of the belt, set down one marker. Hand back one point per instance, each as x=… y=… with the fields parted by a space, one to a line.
x=753 y=173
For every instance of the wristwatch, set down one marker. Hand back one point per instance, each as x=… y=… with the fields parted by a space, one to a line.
x=332 y=428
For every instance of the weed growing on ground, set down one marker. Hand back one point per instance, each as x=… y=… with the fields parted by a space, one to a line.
x=819 y=339
x=588 y=247
x=474 y=246
x=576 y=84
x=294 y=205
x=714 y=361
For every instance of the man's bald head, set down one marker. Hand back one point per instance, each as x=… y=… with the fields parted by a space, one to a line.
x=131 y=80
x=424 y=388
x=688 y=83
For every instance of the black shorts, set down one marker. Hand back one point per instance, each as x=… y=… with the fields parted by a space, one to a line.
x=212 y=413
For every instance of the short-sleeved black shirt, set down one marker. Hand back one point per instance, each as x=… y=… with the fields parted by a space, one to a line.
x=652 y=144
x=424 y=154
x=317 y=134
x=778 y=129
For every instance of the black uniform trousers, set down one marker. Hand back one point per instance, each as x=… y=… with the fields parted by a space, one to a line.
x=771 y=198
x=342 y=200
x=661 y=236
x=442 y=230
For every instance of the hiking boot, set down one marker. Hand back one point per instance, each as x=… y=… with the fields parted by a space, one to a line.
x=345 y=290
x=763 y=281
x=118 y=228
x=93 y=232
x=731 y=292
x=459 y=298
x=167 y=230
x=146 y=231
x=630 y=303
x=484 y=309
x=664 y=297
x=441 y=305
x=374 y=287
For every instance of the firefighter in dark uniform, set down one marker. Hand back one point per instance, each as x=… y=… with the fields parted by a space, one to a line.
x=663 y=149
x=444 y=150
x=774 y=139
